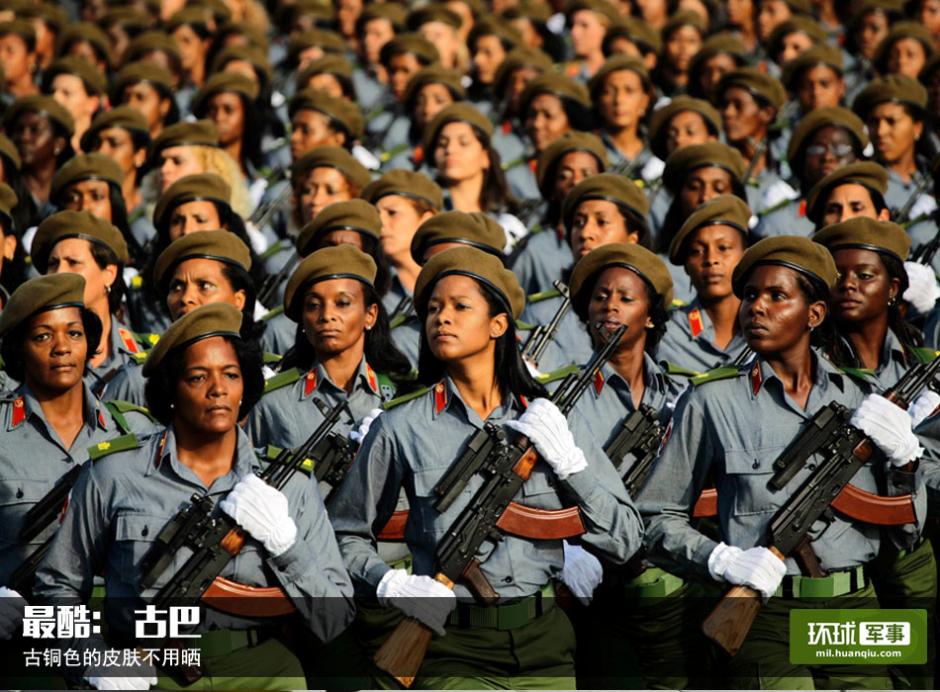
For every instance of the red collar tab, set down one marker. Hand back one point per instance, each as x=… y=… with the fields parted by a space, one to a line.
x=310 y=383
x=598 y=381
x=507 y=127
x=523 y=401
x=160 y=447
x=373 y=380
x=418 y=155
x=756 y=379
x=440 y=397
x=695 y=322
x=102 y=423
x=533 y=164
x=128 y=340
x=18 y=415
x=802 y=208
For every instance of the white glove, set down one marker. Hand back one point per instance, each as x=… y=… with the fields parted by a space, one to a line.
x=889 y=427
x=110 y=682
x=11 y=612
x=922 y=291
x=261 y=511
x=360 y=434
x=921 y=408
x=420 y=597
x=755 y=567
x=582 y=572
x=547 y=428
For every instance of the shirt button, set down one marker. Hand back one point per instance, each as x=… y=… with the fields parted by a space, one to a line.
x=145 y=531
x=507 y=580
x=756 y=464
x=19 y=493
x=811 y=467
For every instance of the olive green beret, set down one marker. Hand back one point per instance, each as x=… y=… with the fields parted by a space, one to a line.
x=95 y=82
x=795 y=25
x=823 y=54
x=898 y=31
x=86 y=167
x=223 y=83
x=335 y=65
x=818 y=119
x=536 y=11
x=491 y=26
x=218 y=9
x=186 y=134
x=83 y=31
x=420 y=47
x=894 y=88
x=137 y=72
x=194 y=15
x=124 y=117
x=131 y=20
x=148 y=42
x=761 y=86
x=638 y=32
x=680 y=19
x=19 y=27
x=601 y=7
x=8 y=150
x=477 y=264
x=218 y=245
x=618 y=63
x=8 y=201
x=331 y=157
x=455 y=113
x=75 y=224
x=634 y=257
x=517 y=59
x=612 y=187
x=40 y=294
x=800 y=6
x=46 y=105
x=868 y=234
x=336 y=262
x=434 y=74
x=567 y=143
x=392 y=12
x=329 y=41
x=474 y=230
x=254 y=56
x=214 y=319
x=724 y=210
x=250 y=33
x=659 y=121
x=352 y=215
x=53 y=15
x=208 y=186
x=685 y=160
x=717 y=44
x=410 y=184
x=434 y=12
x=556 y=85
x=865 y=173
x=341 y=110
x=795 y=252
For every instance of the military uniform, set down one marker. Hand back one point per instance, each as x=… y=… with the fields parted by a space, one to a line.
x=544 y=257
x=127 y=349
x=687 y=348
x=572 y=339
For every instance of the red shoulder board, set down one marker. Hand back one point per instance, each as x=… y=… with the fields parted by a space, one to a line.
x=18 y=414
x=598 y=381
x=756 y=379
x=418 y=155
x=440 y=397
x=310 y=383
x=128 y=340
x=373 y=382
x=802 y=208
x=695 y=322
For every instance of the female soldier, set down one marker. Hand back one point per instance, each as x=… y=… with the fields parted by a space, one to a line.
x=458 y=141
x=905 y=50
x=622 y=91
x=80 y=88
x=24 y=213
x=682 y=37
x=784 y=285
x=52 y=418
x=77 y=242
x=148 y=89
x=203 y=378
x=11 y=252
x=705 y=333
x=628 y=285
x=719 y=55
x=470 y=363
x=321 y=119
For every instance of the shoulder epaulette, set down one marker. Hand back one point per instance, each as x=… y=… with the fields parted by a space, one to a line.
x=282 y=379
x=140 y=357
x=272 y=313
x=677 y=303
x=117 y=444
x=272 y=358
x=271 y=453
x=863 y=374
x=400 y=320
x=924 y=355
x=524 y=326
x=405 y=398
x=779 y=205
x=137 y=282
x=907 y=224
x=387 y=386
x=508 y=165
x=559 y=374
x=543 y=295
x=725 y=372
x=118 y=408
x=274 y=249
x=389 y=154
x=673 y=369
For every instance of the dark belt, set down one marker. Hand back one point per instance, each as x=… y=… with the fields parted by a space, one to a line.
x=834 y=584
x=504 y=617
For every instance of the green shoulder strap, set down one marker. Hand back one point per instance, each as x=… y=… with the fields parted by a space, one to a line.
x=863 y=374
x=389 y=154
x=271 y=453
x=118 y=408
x=508 y=165
x=725 y=372
x=282 y=379
x=559 y=374
x=271 y=358
x=117 y=444
x=387 y=386
x=272 y=313
x=923 y=355
x=405 y=398
x=678 y=370
x=779 y=205
x=281 y=244
x=542 y=295
x=399 y=320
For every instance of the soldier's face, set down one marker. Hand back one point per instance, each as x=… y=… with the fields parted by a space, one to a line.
x=830 y=148
x=703 y=184
x=209 y=389
x=546 y=120
x=200 y=281
x=775 y=315
x=848 y=201
x=400 y=220
x=907 y=56
x=597 y=222
x=620 y=297
x=459 y=326
x=686 y=128
x=893 y=132
x=93 y=196
x=55 y=350
x=712 y=253
x=820 y=87
x=623 y=100
x=864 y=289
x=189 y=217
x=335 y=316
x=574 y=167
x=74 y=256
x=322 y=187
x=227 y=111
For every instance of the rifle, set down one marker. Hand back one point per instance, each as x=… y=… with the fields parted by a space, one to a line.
x=845 y=449
x=214 y=537
x=540 y=337
x=270 y=285
x=925 y=253
x=402 y=312
x=507 y=464
x=926 y=180
x=333 y=457
x=263 y=212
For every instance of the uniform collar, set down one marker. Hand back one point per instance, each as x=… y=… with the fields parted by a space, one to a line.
x=447 y=397
x=760 y=375
x=317 y=378
x=94 y=414
x=653 y=378
x=892 y=351
x=697 y=323
x=164 y=458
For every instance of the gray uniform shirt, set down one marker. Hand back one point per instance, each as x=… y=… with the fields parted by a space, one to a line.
x=545 y=257
x=412 y=445
x=689 y=341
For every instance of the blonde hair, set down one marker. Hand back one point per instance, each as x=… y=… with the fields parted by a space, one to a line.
x=214 y=160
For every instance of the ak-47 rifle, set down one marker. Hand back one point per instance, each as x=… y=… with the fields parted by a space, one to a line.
x=506 y=465
x=270 y=285
x=844 y=450
x=540 y=337
x=264 y=211
x=214 y=537
x=332 y=459
x=903 y=215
